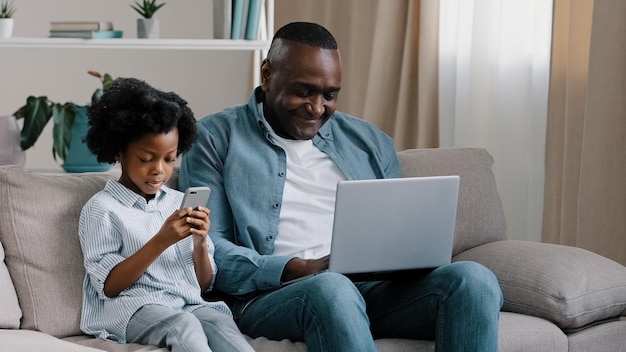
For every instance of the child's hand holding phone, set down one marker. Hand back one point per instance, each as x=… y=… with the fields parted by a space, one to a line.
x=196 y=198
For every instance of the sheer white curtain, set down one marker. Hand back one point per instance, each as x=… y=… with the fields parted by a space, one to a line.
x=494 y=62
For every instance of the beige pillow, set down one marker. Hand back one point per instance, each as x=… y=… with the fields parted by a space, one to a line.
x=572 y=287
x=10 y=312
x=39 y=231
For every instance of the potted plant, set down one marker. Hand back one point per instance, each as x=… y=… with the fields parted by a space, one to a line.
x=70 y=127
x=147 y=27
x=6 y=21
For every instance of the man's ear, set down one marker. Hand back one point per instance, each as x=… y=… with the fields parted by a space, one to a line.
x=266 y=72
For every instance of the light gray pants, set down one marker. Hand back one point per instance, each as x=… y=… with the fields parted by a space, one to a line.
x=203 y=330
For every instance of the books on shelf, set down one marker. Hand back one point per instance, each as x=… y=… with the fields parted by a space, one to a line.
x=252 y=21
x=81 y=26
x=86 y=34
x=245 y=18
x=237 y=19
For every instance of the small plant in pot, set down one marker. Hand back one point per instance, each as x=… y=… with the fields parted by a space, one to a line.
x=147 y=27
x=70 y=127
x=6 y=18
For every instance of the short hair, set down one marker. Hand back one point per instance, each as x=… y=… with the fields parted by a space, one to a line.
x=311 y=34
x=130 y=109
x=305 y=33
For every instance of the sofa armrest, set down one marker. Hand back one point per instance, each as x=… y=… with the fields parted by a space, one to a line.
x=570 y=286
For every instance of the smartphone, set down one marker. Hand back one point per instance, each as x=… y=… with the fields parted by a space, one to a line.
x=195 y=196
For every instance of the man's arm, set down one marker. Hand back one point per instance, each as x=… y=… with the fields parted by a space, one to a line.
x=241 y=269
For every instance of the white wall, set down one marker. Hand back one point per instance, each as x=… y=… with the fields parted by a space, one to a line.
x=208 y=80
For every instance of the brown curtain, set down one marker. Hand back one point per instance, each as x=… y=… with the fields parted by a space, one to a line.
x=585 y=189
x=389 y=55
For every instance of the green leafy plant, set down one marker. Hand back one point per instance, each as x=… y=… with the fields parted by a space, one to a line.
x=7 y=9
x=147 y=8
x=39 y=110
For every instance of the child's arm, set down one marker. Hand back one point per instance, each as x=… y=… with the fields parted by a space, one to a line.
x=202 y=263
x=175 y=228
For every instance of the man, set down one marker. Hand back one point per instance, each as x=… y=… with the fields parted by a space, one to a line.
x=273 y=166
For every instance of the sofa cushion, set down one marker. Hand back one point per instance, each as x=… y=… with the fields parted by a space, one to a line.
x=569 y=286
x=608 y=337
x=35 y=341
x=39 y=231
x=480 y=217
x=10 y=312
x=523 y=333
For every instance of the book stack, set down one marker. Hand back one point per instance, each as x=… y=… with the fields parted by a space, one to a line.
x=239 y=19
x=83 y=29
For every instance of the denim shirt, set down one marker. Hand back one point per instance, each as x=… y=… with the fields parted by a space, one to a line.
x=236 y=157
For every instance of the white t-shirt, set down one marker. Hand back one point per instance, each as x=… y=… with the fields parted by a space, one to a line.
x=306 y=216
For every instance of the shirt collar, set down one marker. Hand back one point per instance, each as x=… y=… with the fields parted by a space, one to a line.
x=129 y=198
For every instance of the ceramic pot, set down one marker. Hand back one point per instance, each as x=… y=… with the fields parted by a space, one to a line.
x=79 y=157
x=6 y=27
x=147 y=28
x=10 y=151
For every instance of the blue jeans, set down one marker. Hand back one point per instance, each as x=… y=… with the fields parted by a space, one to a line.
x=203 y=330
x=456 y=305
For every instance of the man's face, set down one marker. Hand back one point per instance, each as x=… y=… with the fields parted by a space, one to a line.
x=301 y=90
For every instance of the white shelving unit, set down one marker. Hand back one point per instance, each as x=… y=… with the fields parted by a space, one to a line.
x=259 y=47
x=133 y=43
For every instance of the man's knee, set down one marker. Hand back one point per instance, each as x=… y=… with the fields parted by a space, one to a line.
x=475 y=280
x=332 y=292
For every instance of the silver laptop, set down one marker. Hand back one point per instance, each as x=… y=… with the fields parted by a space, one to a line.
x=386 y=227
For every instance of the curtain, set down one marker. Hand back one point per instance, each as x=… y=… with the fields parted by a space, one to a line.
x=494 y=61
x=585 y=193
x=389 y=60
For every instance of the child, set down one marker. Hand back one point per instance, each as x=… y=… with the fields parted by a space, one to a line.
x=148 y=263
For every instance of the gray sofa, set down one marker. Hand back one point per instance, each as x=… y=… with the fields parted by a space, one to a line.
x=557 y=298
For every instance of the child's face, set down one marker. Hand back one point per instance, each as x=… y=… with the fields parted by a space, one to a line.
x=149 y=162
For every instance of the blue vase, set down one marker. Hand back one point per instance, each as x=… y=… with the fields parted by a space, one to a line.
x=79 y=157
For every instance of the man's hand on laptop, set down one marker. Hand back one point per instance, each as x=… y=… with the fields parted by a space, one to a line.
x=298 y=267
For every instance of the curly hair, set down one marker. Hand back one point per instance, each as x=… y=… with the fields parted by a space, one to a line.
x=128 y=110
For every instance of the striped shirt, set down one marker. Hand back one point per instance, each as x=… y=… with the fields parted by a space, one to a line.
x=115 y=223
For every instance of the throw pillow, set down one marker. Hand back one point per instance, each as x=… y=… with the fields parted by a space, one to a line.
x=571 y=287
x=39 y=231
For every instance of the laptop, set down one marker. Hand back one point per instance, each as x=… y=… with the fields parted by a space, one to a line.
x=390 y=228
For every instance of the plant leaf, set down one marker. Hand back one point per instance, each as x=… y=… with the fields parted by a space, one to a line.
x=107 y=80
x=62 y=131
x=36 y=114
x=96 y=95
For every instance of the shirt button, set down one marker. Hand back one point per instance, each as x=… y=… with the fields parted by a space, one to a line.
x=276 y=205
x=270 y=237
x=281 y=174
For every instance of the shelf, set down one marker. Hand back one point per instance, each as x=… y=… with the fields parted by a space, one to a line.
x=133 y=43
